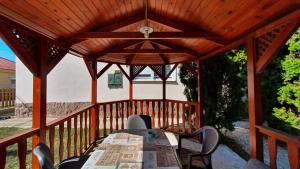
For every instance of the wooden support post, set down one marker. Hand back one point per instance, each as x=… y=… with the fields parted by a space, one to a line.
x=199 y=99
x=254 y=102
x=94 y=112
x=40 y=99
x=164 y=94
x=130 y=89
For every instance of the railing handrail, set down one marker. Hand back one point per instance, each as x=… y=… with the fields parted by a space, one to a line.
x=181 y=101
x=279 y=135
x=110 y=102
x=15 y=138
x=71 y=115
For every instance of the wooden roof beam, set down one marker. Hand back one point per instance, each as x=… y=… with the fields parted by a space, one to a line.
x=110 y=27
x=138 y=35
x=186 y=28
x=162 y=56
x=144 y=51
x=175 y=46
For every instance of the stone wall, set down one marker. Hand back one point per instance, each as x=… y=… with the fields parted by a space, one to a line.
x=54 y=109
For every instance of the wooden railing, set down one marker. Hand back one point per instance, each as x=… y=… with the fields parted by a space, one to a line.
x=293 y=146
x=77 y=133
x=7 y=97
x=21 y=140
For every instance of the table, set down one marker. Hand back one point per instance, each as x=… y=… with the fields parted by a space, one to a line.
x=134 y=149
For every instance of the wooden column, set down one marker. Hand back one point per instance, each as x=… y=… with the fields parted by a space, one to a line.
x=199 y=99
x=164 y=94
x=94 y=112
x=39 y=103
x=254 y=102
x=131 y=89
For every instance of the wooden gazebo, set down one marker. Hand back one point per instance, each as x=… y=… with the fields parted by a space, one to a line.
x=42 y=32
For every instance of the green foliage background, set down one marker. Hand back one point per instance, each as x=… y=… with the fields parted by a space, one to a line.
x=224 y=81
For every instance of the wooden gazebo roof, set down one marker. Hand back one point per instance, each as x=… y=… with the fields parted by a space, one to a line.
x=184 y=30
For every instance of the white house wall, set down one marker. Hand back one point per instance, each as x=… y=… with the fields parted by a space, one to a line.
x=70 y=81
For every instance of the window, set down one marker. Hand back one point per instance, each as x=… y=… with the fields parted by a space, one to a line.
x=115 y=80
x=148 y=75
x=13 y=82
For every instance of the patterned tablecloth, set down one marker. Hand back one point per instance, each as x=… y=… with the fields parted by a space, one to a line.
x=134 y=149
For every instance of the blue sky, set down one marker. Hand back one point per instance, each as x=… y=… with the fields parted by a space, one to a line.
x=6 y=52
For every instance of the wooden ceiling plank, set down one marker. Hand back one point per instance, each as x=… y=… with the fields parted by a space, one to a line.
x=143 y=51
x=132 y=56
x=111 y=27
x=257 y=31
x=184 y=27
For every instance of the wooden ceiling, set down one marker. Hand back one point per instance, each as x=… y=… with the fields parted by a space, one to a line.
x=184 y=30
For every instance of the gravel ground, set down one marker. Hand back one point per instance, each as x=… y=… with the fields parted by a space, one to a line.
x=241 y=136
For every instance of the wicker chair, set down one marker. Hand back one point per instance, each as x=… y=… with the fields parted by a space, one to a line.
x=210 y=141
x=42 y=153
x=139 y=122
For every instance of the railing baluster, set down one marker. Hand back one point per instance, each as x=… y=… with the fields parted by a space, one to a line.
x=61 y=141
x=3 y=157
x=80 y=132
x=89 y=127
x=22 y=148
x=177 y=115
x=117 y=115
x=122 y=115
x=111 y=118
x=172 y=114
x=166 y=123
x=85 y=130
x=190 y=117
x=68 y=138
x=272 y=152
x=75 y=135
x=147 y=107
x=141 y=107
x=183 y=116
x=104 y=119
x=153 y=113
x=159 y=105
x=127 y=109
x=293 y=154
x=51 y=140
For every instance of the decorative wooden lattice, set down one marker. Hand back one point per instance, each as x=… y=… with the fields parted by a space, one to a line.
x=158 y=70
x=263 y=42
x=137 y=69
x=55 y=51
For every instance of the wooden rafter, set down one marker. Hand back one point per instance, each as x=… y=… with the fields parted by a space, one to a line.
x=88 y=63
x=130 y=57
x=110 y=27
x=143 y=51
x=107 y=66
x=174 y=46
x=171 y=71
x=274 y=46
x=162 y=56
x=126 y=44
x=138 y=35
x=123 y=71
x=185 y=27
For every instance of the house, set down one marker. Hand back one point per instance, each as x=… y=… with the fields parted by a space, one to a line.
x=69 y=85
x=7 y=73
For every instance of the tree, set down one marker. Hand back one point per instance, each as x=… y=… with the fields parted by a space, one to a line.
x=223 y=88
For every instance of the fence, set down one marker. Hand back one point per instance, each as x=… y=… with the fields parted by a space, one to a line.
x=7 y=97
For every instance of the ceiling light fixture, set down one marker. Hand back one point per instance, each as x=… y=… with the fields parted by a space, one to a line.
x=146 y=30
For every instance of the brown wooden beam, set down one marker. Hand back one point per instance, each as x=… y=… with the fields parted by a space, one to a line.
x=254 y=102
x=162 y=56
x=144 y=51
x=175 y=46
x=106 y=28
x=275 y=46
x=164 y=96
x=94 y=130
x=123 y=71
x=104 y=70
x=88 y=62
x=185 y=27
x=171 y=71
x=138 y=35
x=199 y=98
x=126 y=44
